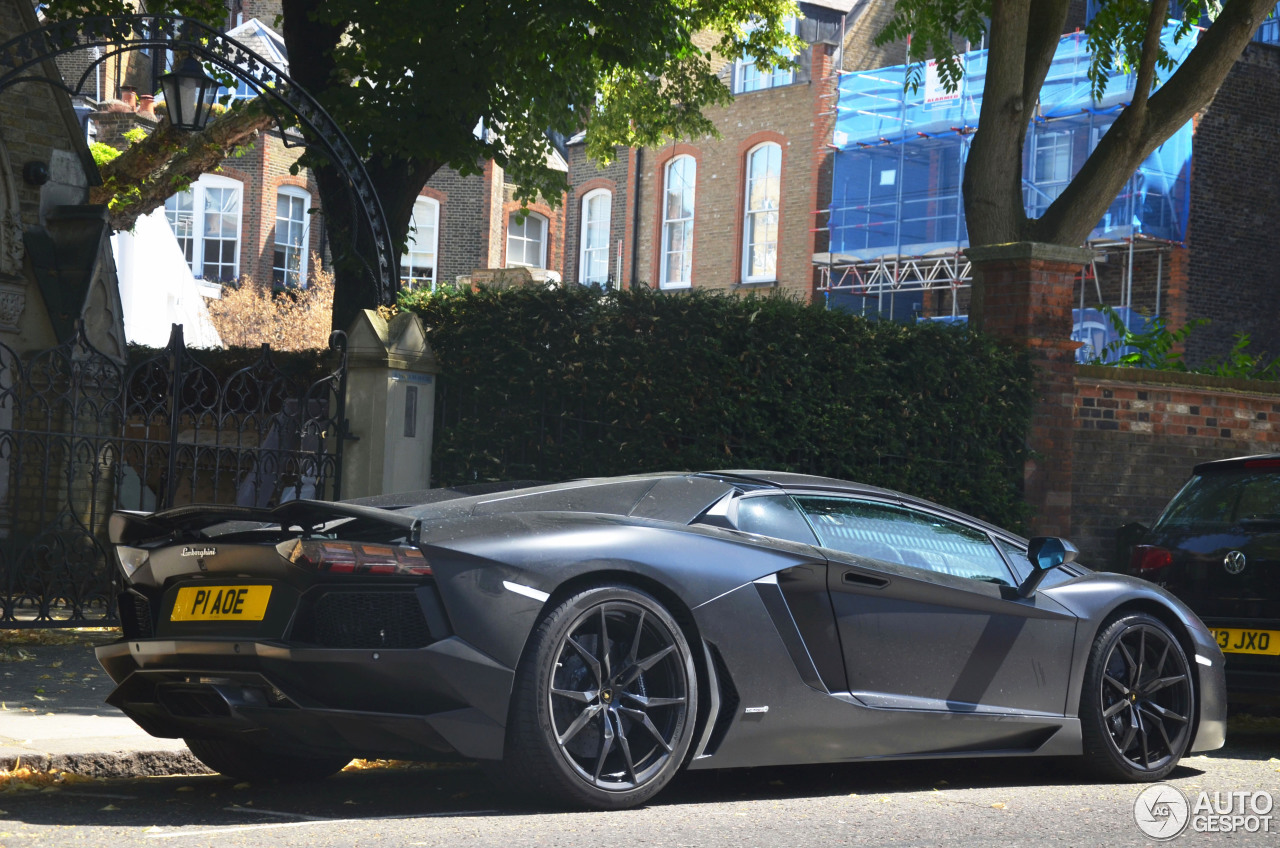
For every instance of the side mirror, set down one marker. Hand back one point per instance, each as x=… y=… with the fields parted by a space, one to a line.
x=1046 y=553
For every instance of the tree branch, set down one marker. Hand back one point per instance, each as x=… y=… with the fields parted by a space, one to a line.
x=146 y=174
x=1196 y=81
x=1136 y=133
x=1045 y=21
x=1150 y=55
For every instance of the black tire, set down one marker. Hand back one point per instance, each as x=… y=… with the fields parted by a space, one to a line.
x=604 y=703
x=245 y=761
x=1138 y=701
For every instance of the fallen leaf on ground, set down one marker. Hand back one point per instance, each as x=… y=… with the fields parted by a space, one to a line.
x=997 y=806
x=108 y=808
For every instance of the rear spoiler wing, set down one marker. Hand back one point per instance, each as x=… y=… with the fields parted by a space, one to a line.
x=130 y=528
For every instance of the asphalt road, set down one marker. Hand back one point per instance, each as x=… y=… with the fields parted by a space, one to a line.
x=958 y=802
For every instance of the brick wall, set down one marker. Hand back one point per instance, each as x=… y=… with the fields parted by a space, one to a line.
x=1139 y=433
x=1235 y=204
x=463 y=242
x=113 y=123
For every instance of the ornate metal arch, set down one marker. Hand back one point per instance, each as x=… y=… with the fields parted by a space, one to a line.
x=21 y=57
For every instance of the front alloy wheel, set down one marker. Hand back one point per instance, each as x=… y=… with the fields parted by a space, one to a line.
x=605 y=704
x=1139 y=699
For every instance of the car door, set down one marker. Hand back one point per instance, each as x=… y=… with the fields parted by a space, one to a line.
x=928 y=614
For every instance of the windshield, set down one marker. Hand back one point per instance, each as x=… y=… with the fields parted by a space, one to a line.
x=1224 y=499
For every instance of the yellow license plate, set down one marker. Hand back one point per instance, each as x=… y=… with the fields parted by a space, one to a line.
x=221 y=603
x=1233 y=640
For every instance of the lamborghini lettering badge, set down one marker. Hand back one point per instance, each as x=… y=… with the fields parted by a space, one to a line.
x=199 y=552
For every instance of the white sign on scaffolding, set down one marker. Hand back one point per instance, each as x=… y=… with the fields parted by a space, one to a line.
x=934 y=90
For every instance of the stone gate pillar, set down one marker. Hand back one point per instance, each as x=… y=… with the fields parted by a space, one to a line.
x=1024 y=292
x=390 y=407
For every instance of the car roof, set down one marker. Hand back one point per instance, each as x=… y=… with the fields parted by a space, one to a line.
x=791 y=480
x=1260 y=461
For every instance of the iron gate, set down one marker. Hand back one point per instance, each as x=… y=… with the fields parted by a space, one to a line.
x=81 y=435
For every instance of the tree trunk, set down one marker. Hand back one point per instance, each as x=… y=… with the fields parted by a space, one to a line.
x=1023 y=42
x=396 y=181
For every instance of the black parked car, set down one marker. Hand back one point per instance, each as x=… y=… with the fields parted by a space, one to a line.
x=587 y=640
x=1217 y=547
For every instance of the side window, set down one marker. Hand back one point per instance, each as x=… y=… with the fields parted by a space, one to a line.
x=895 y=533
x=776 y=516
x=1017 y=556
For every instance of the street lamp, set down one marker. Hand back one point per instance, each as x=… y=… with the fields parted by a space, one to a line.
x=188 y=94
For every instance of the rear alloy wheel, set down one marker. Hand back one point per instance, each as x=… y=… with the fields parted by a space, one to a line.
x=245 y=761
x=604 y=703
x=1138 y=701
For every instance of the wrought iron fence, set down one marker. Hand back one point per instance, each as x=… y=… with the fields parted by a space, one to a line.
x=81 y=435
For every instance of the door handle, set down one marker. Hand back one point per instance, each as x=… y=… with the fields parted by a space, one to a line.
x=854 y=578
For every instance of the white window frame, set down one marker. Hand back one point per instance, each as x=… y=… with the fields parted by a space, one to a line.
x=517 y=232
x=1059 y=147
x=758 y=207
x=747 y=78
x=302 y=246
x=424 y=242
x=199 y=191
x=593 y=252
x=668 y=279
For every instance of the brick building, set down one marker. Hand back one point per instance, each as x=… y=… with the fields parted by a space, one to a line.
x=731 y=213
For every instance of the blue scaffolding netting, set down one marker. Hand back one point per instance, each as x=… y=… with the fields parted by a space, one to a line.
x=900 y=157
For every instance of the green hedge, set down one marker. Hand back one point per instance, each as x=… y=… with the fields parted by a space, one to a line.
x=299 y=367
x=573 y=382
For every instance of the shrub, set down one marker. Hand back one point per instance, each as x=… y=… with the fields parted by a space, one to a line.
x=249 y=314
x=576 y=382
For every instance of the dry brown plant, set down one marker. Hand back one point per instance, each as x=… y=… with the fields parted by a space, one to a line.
x=250 y=313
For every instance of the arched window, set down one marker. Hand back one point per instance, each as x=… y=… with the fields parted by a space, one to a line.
x=418 y=265
x=760 y=226
x=206 y=221
x=593 y=262
x=526 y=240
x=677 y=223
x=293 y=225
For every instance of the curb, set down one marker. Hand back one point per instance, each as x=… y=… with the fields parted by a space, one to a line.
x=132 y=764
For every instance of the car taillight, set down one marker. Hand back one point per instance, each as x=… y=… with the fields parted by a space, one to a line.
x=355 y=557
x=1148 y=560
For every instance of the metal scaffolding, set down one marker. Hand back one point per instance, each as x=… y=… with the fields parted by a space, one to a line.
x=896 y=218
